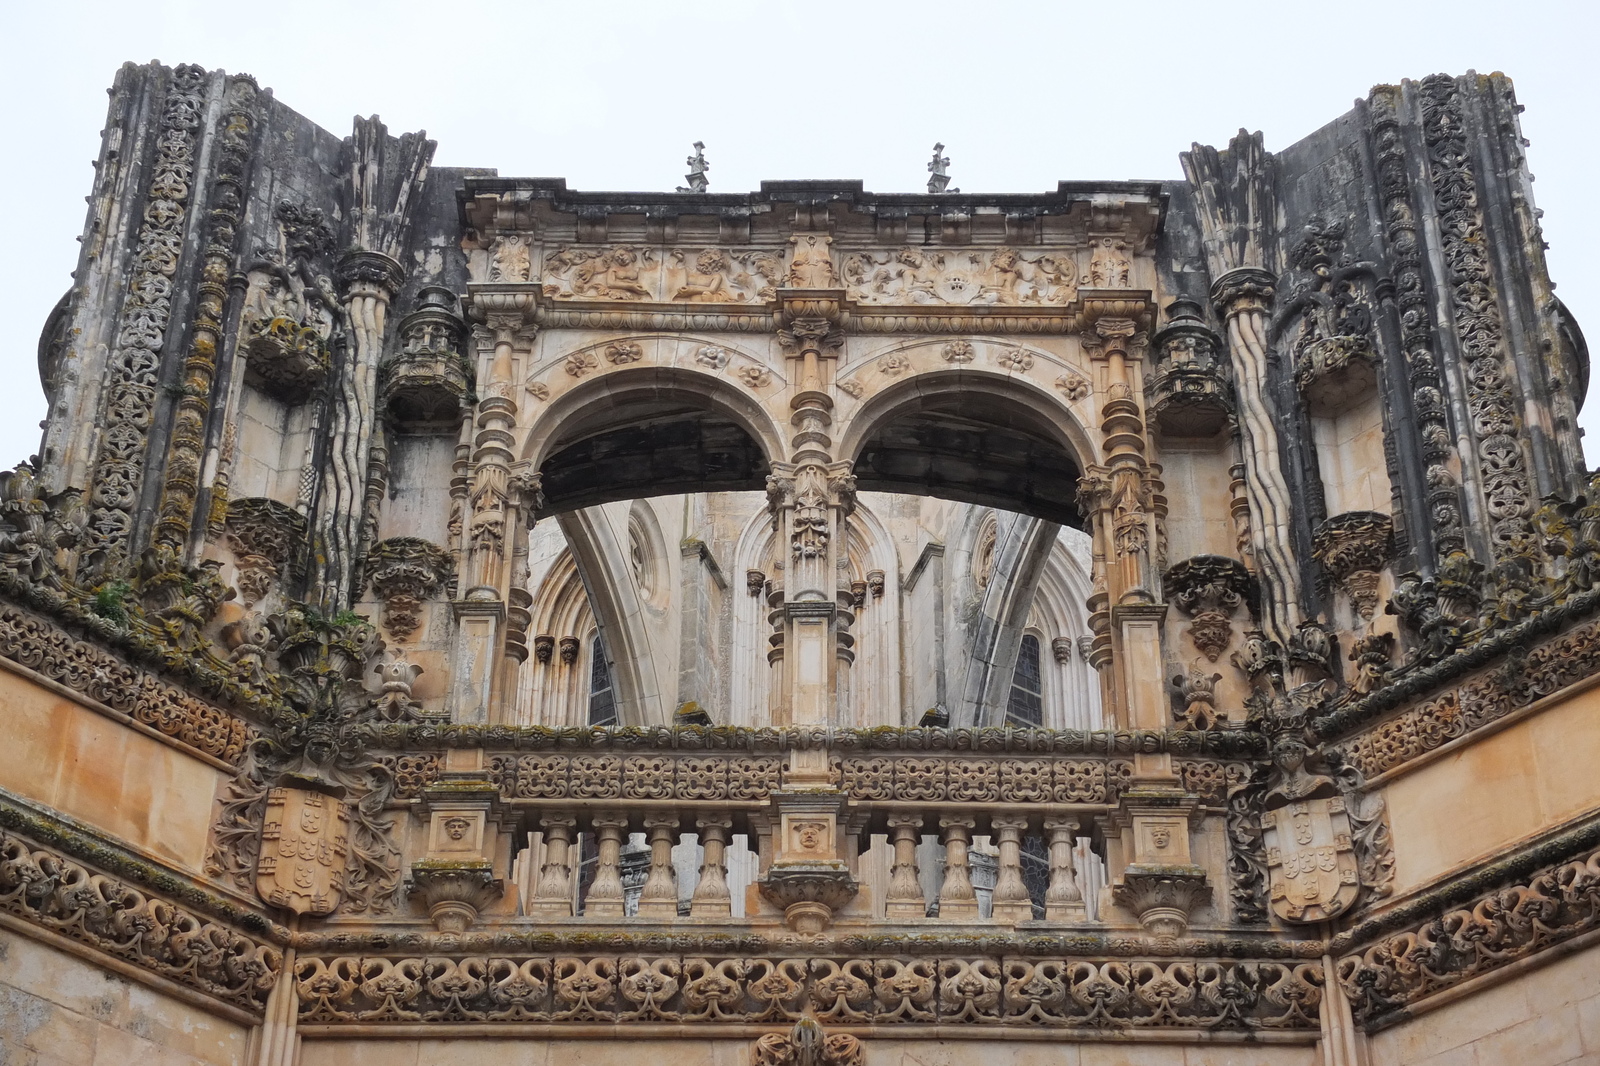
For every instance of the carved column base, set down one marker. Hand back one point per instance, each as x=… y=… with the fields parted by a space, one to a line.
x=454 y=892
x=809 y=893
x=1163 y=897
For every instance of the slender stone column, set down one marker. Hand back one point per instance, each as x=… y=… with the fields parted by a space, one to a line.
x=904 y=899
x=552 y=896
x=1011 y=901
x=711 y=898
x=658 y=898
x=958 y=901
x=499 y=497
x=1244 y=298
x=1063 y=900
x=605 y=891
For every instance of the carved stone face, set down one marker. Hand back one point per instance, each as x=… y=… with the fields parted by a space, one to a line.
x=809 y=836
x=456 y=828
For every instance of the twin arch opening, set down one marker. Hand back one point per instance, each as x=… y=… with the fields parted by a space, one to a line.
x=959 y=441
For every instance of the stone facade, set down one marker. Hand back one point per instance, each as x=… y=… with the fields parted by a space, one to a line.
x=457 y=616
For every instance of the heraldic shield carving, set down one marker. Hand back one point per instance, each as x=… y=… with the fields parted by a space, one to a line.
x=304 y=849
x=1310 y=859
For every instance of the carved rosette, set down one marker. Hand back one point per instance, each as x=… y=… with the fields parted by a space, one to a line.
x=1209 y=589
x=404 y=572
x=265 y=536
x=1353 y=548
x=428 y=380
x=1189 y=392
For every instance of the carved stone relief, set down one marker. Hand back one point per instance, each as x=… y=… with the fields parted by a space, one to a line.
x=1002 y=277
x=678 y=275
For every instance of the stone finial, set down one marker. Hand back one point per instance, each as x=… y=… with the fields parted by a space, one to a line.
x=939 y=172
x=698 y=182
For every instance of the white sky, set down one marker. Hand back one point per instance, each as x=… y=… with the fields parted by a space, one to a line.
x=610 y=96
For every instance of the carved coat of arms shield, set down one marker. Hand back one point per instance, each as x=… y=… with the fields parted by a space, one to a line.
x=1310 y=860
x=304 y=849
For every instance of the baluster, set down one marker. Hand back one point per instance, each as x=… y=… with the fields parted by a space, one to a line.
x=1063 y=901
x=904 y=899
x=552 y=896
x=605 y=892
x=659 y=896
x=957 y=899
x=1011 y=901
x=711 y=898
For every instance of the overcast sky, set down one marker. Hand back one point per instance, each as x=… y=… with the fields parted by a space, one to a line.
x=611 y=95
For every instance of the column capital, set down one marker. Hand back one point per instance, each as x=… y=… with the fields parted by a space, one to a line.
x=1243 y=290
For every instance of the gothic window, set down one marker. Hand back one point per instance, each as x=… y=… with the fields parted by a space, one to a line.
x=1026 y=705
x=602 y=703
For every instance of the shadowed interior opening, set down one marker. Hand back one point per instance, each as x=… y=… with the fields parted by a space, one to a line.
x=973 y=450
x=650 y=449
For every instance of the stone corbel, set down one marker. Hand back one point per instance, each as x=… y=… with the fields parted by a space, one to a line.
x=1209 y=589
x=808 y=879
x=1161 y=884
x=455 y=879
x=404 y=572
x=1354 y=548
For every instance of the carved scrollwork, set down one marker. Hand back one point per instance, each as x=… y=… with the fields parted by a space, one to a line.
x=46 y=889
x=1003 y=277
x=1072 y=993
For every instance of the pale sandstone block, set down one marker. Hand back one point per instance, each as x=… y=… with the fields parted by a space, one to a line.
x=363 y=1052
x=1227 y=1055
x=1589 y=1024
x=1544 y=1040
x=113 y=1047
x=59 y=978
x=180 y=1027
x=1452 y=1026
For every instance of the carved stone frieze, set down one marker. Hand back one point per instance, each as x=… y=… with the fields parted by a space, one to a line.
x=679 y=275
x=986 y=780
x=1072 y=992
x=1456 y=939
x=1002 y=276
x=50 y=891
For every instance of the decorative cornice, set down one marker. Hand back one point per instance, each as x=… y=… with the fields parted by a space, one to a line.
x=1536 y=900
x=1068 y=993
x=147 y=931
x=429 y=737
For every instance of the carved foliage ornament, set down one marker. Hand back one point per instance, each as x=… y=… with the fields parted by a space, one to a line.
x=143 y=321
x=1473 y=299
x=1353 y=548
x=1002 y=277
x=46 y=889
x=1209 y=589
x=404 y=572
x=1075 y=993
